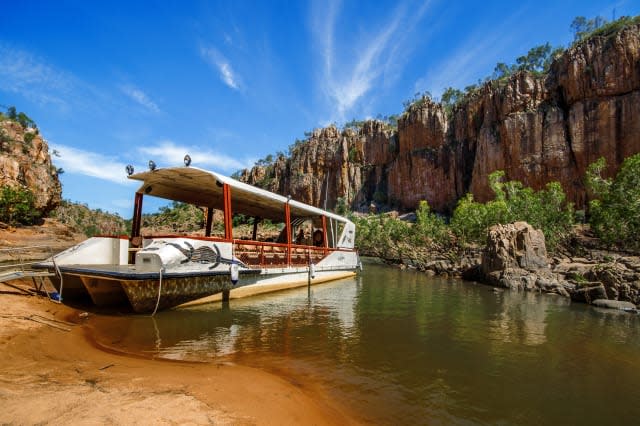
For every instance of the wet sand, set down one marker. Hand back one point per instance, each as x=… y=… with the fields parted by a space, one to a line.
x=51 y=373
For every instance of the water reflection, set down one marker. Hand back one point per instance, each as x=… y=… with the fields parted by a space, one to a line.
x=399 y=347
x=206 y=332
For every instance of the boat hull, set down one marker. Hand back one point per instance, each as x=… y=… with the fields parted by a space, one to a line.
x=149 y=292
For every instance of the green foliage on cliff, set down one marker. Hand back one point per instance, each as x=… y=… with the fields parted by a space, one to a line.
x=19 y=117
x=180 y=217
x=17 y=206
x=90 y=222
x=537 y=61
x=611 y=28
x=614 y=214
x=418 y=100
x=450 y=98
x=584 y=28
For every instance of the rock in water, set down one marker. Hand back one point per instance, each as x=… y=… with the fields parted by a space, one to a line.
x=515 y=257
x=515 y=246
x=614 y=304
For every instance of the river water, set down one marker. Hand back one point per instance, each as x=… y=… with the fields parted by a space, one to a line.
x=398 y=347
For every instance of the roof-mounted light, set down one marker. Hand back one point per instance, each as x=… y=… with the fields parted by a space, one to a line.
x=152 y=165
x=187 y=160
x=129 y=169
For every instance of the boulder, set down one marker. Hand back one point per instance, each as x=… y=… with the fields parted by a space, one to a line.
x=515 y=257
x=516 y=245
x=587 y=294
x=614 y=304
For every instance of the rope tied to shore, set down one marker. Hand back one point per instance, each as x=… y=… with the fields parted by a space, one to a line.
x=159 y=291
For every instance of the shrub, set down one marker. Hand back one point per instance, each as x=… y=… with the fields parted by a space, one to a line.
x=545 y=209
x=614 y=213
x=429 y=227
x=17 y=205
x=382 y=236
x=28 y=138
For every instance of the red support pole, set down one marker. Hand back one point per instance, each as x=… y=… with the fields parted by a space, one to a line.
x=228 y=214
x=325 y=240
x=287 y=214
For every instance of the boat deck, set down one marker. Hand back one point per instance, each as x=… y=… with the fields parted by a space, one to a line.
x=129 y=272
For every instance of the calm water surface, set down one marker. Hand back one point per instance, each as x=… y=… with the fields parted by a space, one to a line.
x=398 y=347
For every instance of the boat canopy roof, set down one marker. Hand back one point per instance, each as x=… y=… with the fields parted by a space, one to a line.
x=204 y=188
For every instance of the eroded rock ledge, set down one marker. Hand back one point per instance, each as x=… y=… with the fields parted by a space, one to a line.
x=515 y=257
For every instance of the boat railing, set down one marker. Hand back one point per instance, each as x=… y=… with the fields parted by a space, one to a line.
x=16 y=264
x=266 y=253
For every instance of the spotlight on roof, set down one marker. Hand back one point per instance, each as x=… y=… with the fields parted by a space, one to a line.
x=152 y=165
x=187 y=160
x=129 y=169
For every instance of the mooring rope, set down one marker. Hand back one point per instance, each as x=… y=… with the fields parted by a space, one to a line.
x=159 y=291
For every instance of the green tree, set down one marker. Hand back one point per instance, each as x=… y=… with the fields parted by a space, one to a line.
x=535 y=58
x=17 y=205
x=450 y=98
x=583 y=27
x=502 y=70
x=25 y=121
x=614 y=213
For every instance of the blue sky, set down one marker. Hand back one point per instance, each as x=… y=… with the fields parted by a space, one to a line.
x=116 y=83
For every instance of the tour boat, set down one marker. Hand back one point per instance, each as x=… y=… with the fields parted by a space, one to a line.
x=153 y=272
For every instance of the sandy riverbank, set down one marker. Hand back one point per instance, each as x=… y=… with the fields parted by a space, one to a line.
x=54 y=376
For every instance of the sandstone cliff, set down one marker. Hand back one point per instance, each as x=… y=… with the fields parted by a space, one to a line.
x=537 y=128
x=25 y=163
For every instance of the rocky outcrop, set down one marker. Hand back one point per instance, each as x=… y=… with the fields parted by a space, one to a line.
x=515 y=257
x=601 y=275
x=537 y=128
x=25 y=162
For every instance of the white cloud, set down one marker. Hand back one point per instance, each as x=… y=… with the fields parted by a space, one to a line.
x=140 y=97
x=77 y=161
x=214 y=58
x=167 y=153
x=31 y=77
x=347 y=83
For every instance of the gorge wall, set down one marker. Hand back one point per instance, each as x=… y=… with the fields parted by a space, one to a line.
x=536 y=128
x=25 y=163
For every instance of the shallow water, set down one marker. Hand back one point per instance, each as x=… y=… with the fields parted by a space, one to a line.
x=398 y=347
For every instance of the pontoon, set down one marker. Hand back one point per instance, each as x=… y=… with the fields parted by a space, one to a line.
x=153 y=272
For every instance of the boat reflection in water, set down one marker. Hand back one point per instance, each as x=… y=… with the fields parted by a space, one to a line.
x=207 y=332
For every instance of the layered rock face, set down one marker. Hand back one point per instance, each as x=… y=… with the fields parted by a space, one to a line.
x=537 y=129
x=25 y=163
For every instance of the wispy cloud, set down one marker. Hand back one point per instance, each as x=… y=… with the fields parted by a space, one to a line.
x=168 y=153
x=347 y=83
x=165 y=154
x=215 y=59
x=86 y=163
x=140 y=97
x=31 y=77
